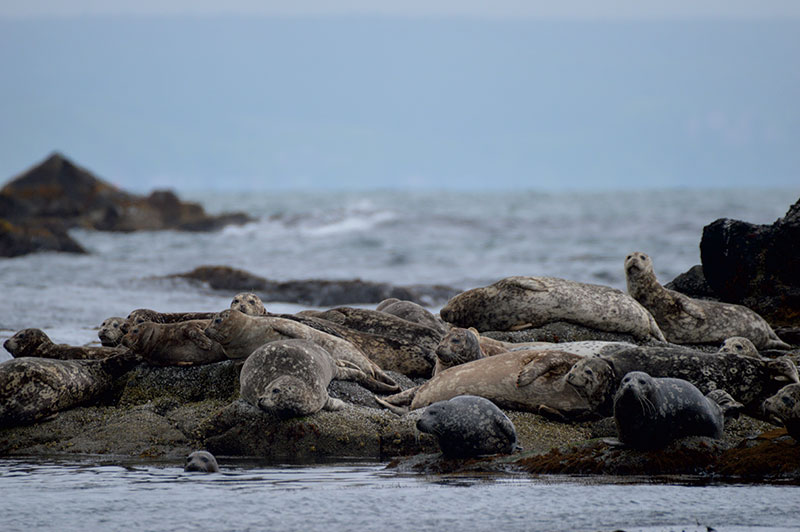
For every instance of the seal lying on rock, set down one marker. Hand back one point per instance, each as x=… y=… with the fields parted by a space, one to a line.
x=468 y=426
x=739 y=345
x=521 y=302
x=458 y=346
x=112 y=330
x=652 y=412
x=530 y=381
x=32 y=389
x=240 y=335
x=35 y=343
x=201 y=461
x=413 y=312
x=784 y=407
x=684 y=320
x=174 y=344
x=289 y=378
x=141 y=315
x=248 y=303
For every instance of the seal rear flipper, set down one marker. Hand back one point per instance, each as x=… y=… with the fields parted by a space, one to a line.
x=334 y=404
x=399 y=410
x=356 y=375
x=783 y=370
x=550 y=413
x=730 y=407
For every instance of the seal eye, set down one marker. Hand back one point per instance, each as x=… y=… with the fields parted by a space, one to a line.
x=589 y=372
x=455 y=341
x=204 y=459
x=276 y=390
x=739 y=347
x=218 y=320
x=787 y=401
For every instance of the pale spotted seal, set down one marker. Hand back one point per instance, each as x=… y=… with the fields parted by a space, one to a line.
x=413 y=312
x=141 y=315
x=249 y=303
x=739 y=345
x=32 y=389
x=653 y=412
x=784 y=407
x=684 y=320
x=516 y=303
x=112 y=330
x=35 y=343
x=530 y=381
x=240 y=335
x=174 y=344
x=201 y=461
x=468 y=426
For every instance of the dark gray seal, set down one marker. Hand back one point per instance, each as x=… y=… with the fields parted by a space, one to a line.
x=112 y=330
x=684 y=320
x=413 y=312
x=35 y=343
x=201 y=461
x=784 y=407
x=468 y=426
x=650 y=413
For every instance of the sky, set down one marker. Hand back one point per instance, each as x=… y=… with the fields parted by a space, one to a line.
x=423 y=94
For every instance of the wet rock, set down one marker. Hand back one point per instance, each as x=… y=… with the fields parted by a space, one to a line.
x=693 y=284
x=20 y=238
x=218 y=381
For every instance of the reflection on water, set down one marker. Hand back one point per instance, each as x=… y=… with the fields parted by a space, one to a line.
x=88 y=496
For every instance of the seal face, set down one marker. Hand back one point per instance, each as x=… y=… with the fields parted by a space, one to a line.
x=784 y=407
x=248 y=303
x=739 y=345
x=112 y=330
x=458 y=346
x=201 y=461
x=651 y=413
x=685 y=320
x=468 y=426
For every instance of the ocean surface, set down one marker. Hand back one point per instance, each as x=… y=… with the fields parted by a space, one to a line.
x=462 y=239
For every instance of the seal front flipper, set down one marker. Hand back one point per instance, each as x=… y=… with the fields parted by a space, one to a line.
x=689 y=307
x=526 y=283
x=554 y=362
x=196 y=336
x=334 y=404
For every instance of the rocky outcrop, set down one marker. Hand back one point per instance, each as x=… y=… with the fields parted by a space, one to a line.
x=315 y=292
x=39 y=206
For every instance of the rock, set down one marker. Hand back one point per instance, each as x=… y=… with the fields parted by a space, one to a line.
x=692 y=283
x=21 y=239
x=757 y=266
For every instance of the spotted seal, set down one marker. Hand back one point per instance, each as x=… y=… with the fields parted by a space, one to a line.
x=684 y=320
x=174 y=344
x=739 y=345
x=784 y=407
x=32 y=389
x=413 y=312
x=201 y=461
x=249 y=303
x=240 y=335
x=35 y=343
x=468 y=426
x=653 y=412
x=141 y=315
x=749 y=380
x=517 y=303
x=112 y=330
x=531 y=381
x=458 y=346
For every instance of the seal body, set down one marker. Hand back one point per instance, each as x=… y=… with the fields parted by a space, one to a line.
x=174 y=344
x=201 y=461
x=468 y=426
x=652 y=412
x=784 y=407
x=515 y=303
x=35 y=343
x=413 y=312
x=685 y=320
x=289 y=378
x=112 y=330
x=142 y=315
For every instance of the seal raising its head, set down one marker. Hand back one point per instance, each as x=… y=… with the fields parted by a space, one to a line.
x=249 y=303
x=784 y=407
x=468 y=426
x=694 y=321
x=201 y=461
x=112 y=330
x=739 y=345
x=457 y=347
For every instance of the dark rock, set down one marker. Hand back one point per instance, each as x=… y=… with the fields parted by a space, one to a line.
x=757 y=266
x=20 y=238
x=692 y=283
x=185 y=384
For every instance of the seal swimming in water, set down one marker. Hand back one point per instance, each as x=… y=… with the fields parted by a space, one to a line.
x=468 y=426
x=201 y=461
x=653 y=412
x=784 y=407
x=516 y=303
x=112 y=330
x=684 y=320
x=32 y=389
x=35 y=343
x=174 y=344
x=240 y=335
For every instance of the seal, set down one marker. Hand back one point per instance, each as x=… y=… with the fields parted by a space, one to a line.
x=530 y=381
x=739 y=345
x=174 y=344
x=413 y=312
x=32 y=389
x=201 y=461
x=141 y=315
x=651 y=413
x=249 y=303
x=458 y=346
x=112 y=330
x=684 y=320
x=290 y=378
x=240 y=335
x=784 y=407
x=35 y=343
x=749 y=380
x=468 y=426
x=516 y=303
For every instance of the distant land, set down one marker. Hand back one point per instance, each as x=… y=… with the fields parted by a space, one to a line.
x=377 y=102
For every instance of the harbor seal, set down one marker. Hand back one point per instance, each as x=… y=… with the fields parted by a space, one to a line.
x=413 y=312
x=174 y=344
x=35 y=343
x=684 y=320
x=141 y=315
x=468 y=426
x=458 y=346
x=739 y=345
x=32 y=389
x=240 y=335
x=201 y=461
x=290 y=378
x=530 y=381
x=112 y=330
x=517 y=303
x=651 y=413
x=249 y=303
x=784 y=407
